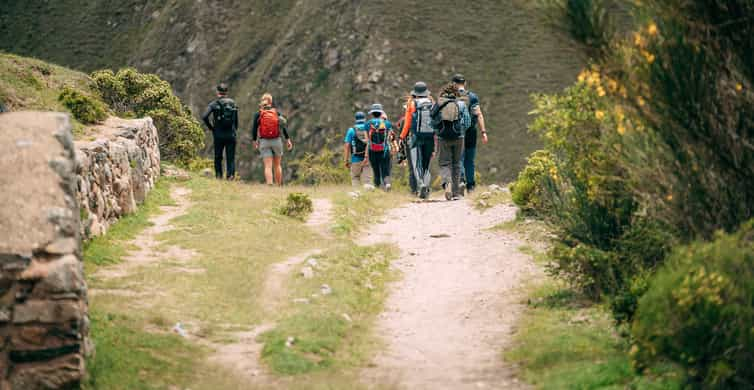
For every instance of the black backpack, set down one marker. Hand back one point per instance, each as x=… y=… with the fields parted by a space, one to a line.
x=225 y=113
x=446 y=119
x=360 y=140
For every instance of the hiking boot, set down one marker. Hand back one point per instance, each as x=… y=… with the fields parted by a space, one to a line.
x=448 y=194
x=424 y=193
x=388 y=187
x=462 y=188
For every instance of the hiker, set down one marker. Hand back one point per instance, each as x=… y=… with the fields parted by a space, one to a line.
x=224 y=126
x=380 y=134
x=451 y=119
x=266 y=129
x=355 y=150
x=470 y=139
x=421 y=145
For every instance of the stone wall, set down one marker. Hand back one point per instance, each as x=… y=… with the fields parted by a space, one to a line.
x=116 y=171
x=54 y=194
x=43 y=300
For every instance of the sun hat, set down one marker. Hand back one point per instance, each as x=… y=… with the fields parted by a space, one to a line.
x=360 y=116
x=458 y=78
x=376 y=107
x=420 y=89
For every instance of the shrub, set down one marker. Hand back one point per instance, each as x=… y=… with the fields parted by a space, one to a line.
x=699 y=312
x=129 y=92
x=586 y=21
x=298 y=205
x=528 y=190
x=322 y=168
x=84 y=108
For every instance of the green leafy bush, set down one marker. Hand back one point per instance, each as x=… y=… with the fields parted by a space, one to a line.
x=84 y=108
x=298 y=205
x=586 y=21
x=528 y=190
x=129 y=93
x=322 y=168
x=699 y=312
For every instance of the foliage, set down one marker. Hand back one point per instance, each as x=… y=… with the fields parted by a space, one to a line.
x=528 y=189
x=84 y=108
x=322 y=168
x=298 y=205
x=586 y=21
x=698 y=312
x=129 y=92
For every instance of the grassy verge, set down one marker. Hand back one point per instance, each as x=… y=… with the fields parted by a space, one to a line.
x=568 y=342
x=352 y=215
x=108 y=249
x=484 y=199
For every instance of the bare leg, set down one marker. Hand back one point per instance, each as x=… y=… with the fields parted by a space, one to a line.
x=268 y=170
x=277 y=162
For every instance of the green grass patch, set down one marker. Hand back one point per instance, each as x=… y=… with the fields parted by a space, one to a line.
x=354 y=214
x=567 y=342
x=332 y=330
x=109 y=248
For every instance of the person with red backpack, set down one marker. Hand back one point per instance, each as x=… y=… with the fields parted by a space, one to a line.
x=224 y=125
x=380 y=134
x=267 y=129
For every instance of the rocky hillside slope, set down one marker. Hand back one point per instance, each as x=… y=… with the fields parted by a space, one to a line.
x=322 y=58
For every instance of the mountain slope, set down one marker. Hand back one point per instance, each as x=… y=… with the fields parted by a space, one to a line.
x=322 y=59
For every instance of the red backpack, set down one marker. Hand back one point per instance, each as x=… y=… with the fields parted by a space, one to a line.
x=269 y=123
x=377 y=135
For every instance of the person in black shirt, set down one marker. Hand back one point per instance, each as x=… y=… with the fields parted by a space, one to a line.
x=224 y=126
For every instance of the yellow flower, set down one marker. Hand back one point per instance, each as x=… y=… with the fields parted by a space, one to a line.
x=621 y=129
x=600 y=91
x=640 y=101
x=582 y=76
x=669 y=198
x=648 y=56
x=600 y=115
x=739 y=87
x=612 y=85
x=638 y=40
x=652 y=29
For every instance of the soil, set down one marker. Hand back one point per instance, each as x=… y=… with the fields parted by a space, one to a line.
x=148 y=248
x=454 y=309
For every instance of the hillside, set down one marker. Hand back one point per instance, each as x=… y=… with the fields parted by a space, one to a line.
x=320 y=71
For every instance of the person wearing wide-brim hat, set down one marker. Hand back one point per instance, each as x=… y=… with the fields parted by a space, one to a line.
x=380 y=132
x=417 y=124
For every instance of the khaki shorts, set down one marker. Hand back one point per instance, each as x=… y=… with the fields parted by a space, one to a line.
x=271 y=147
x=361 y=173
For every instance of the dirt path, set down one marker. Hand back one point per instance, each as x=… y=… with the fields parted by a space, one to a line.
x=243 y=355
x=149 y=250
x=452 y=313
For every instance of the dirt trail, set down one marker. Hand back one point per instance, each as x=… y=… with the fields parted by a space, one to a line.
x=243 y=356
x=149 y=250
x=450 y=316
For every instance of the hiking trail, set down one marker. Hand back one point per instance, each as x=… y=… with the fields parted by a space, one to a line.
x=453 y=310
x=244 y=355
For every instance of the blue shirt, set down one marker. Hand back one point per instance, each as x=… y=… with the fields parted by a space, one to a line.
x=388 y=126
x=351 y=139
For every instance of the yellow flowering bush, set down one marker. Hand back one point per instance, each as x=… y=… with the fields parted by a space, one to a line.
x=699 y=312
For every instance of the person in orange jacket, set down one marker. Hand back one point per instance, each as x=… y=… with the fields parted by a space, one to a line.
x=421 y=145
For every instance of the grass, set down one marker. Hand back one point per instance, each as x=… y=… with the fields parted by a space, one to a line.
x=108 y=249
x=353 y=215
x=236 y=235
x=31 y=84
x=566 y=341
x=484 y=200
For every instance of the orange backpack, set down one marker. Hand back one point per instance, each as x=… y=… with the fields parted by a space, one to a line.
x=269 y=123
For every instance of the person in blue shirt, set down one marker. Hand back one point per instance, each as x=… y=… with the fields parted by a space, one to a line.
x=355 y=150
x=380 y=135
x=478 y=126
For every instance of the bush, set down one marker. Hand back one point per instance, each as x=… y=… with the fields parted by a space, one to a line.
x=298 y=205
x=586 y=21
x=699 y=312
x=84 y=108
x=129 y=93
x=528 y=190
x=322 y=168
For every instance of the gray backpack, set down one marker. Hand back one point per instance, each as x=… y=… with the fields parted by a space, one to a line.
x=423 y=118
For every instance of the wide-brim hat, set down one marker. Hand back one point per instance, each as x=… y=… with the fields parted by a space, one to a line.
x=376 y=108
x=458 y=78
x=420 y=89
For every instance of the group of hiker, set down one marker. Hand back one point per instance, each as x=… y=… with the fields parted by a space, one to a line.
x=447 y=127
x=268 y=128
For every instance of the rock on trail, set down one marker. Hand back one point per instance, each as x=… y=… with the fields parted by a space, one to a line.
x=452 y=313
